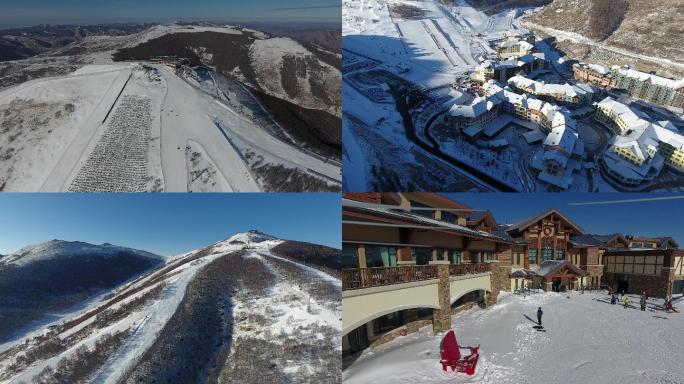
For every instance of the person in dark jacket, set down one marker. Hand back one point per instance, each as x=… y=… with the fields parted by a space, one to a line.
x=539 y=316
x=643 y=301
x=613 y=298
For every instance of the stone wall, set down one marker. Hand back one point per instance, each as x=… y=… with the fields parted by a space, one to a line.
x=595 y=270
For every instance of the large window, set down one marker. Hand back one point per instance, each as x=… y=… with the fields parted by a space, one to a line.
x=455 y=256
x=634 y=264
x=350 y=258
x=422 y=212
x=560 y=254
x=488 y=256
x=421 y=256
x=547 y=254
x=532 y=253
x=517 y=258
x=387 y=322
x=381 y=256
x=449 y=217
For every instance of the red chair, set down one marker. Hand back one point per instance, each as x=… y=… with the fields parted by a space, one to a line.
x=451 y=355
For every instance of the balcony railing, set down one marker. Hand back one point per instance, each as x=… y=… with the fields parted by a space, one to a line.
x=356 y=278
x=466 y=269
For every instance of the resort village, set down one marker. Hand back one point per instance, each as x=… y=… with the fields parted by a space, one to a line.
x=412 y=260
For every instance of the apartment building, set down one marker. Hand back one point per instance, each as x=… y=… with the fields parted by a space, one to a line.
x=574 y=95
x=656 y=89
x=640 y=148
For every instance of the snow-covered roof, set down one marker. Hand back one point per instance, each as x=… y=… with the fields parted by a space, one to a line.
x=524 y=272
x=548 y=89
x=404 y=215
x=629 y=116
x=585 y=241
x=632 y=171
x=642 y=76
x=523 y=224
x=549 y=267
x=478 y=107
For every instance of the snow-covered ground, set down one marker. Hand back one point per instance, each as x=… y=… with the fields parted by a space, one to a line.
x=50 y=157
x=57 y=125
x=146 y=322
x=586 y=340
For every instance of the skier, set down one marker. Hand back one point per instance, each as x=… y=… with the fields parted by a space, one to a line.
x=539 y=316
x=626 y=302
x=643 y=302
x=613 y=298
x=667 y=305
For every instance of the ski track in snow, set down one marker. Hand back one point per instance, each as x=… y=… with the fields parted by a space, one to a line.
x=586 y=341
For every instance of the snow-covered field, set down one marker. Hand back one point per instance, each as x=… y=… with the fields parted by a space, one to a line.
x=586 y=340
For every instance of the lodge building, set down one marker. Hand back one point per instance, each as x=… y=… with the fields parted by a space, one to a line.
x=414 y=259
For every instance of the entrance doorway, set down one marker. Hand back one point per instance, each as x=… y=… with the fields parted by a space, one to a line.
x=556 y=285
x=623 y=285
x=678 y=287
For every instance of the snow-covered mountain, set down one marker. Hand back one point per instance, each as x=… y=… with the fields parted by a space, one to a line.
x=53 y=277
x=65 y=249
x=251 y=236
x=270 y=319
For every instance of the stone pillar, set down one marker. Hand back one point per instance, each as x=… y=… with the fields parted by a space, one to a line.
x=500 y=281
x=362 y=255
x=441 y=318
x=547 y=285
x=465 y=252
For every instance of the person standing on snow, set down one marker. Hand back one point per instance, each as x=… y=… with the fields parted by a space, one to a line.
x=539 y=316
x=613 y=298
x=643 y=302
x=626 y=302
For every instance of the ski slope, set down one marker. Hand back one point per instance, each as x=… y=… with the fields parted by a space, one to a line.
x=61 y=150
x=587 y=340
x=147 y=322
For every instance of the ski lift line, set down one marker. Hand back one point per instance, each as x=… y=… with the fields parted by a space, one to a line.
x=117 y=97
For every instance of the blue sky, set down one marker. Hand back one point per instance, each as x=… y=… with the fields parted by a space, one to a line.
x=167 y=224
x=31 y=12
x=660 y=215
